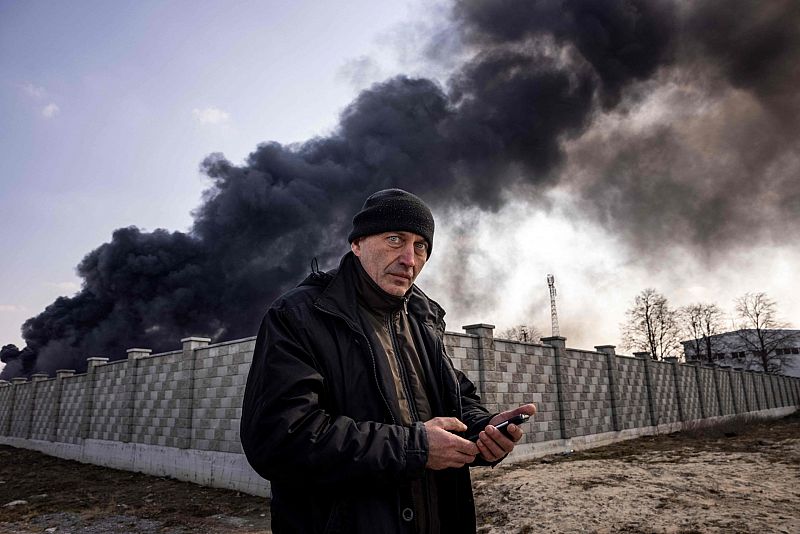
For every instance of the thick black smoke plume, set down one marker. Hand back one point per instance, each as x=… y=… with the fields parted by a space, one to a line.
x=540 y=102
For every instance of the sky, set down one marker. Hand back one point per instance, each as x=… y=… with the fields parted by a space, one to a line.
x=109 y=108
x=682 y=178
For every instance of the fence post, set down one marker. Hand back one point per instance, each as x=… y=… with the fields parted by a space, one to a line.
x=613 y=383
x=559 y=345
x=186 y=395
x=487 y=364
x=648 y=380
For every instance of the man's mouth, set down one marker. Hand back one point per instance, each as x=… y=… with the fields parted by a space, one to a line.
x=401 y=275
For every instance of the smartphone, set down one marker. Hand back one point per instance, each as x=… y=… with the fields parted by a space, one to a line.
x=503 y=427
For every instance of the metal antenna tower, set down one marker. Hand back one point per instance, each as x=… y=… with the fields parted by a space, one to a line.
x=551 y=283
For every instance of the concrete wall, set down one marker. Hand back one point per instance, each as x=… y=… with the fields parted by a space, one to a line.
x=177 y=413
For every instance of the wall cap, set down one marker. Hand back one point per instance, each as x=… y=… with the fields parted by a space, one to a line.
x=196 y=339
x=95 y=361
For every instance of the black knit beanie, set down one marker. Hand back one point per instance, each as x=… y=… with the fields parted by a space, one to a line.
x=393 y=210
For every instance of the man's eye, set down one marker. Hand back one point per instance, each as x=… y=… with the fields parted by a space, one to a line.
x=421 y=246
x=393 y=239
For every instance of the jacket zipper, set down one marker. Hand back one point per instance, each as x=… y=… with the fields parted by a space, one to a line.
x=404 y=378
x=371 y=354
x=412 y=406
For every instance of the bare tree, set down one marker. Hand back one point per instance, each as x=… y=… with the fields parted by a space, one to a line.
x=761 y=332
x=700 y=323
x=651 y=326
x=524 y=333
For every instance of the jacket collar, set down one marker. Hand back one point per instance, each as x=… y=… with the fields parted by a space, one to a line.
x=340 y=296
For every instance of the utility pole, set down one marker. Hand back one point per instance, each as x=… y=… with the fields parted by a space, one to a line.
x=551 y=283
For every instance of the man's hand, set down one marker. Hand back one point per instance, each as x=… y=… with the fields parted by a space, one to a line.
x=492 y=443
x=446 y=449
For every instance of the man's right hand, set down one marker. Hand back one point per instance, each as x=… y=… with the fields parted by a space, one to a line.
x=445 y=449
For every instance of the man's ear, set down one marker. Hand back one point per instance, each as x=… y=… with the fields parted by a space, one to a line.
x=355 y=246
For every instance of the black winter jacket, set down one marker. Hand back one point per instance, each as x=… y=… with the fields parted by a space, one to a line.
x=320 y=417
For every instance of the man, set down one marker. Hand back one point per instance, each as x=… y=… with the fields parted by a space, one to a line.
x=352 y=409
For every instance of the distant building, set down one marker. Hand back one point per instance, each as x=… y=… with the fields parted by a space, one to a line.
x=736 y=349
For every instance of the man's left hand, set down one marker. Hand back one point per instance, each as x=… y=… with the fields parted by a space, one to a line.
x=493 y=444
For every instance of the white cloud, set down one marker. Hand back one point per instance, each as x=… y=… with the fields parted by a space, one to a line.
x=71 y=287
x=11 y=308
x=34 y=90
x=50 y=110
x=360 y=72
x=210 y=115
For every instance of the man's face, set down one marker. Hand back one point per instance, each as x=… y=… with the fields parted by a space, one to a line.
x=392 y=259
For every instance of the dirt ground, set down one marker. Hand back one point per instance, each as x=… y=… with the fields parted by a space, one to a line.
x=740 y=477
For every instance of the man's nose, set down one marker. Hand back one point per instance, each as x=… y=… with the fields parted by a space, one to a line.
x=407 y=256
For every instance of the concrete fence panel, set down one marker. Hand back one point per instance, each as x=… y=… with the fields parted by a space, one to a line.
x=45 y=408
x=220 y=377
x=709 y=392
x=70 y=418
x=634 y=412
x=110 y=417
x=527 y=368
x=589 y=401
x=689 y=391
x=160 y=417
x=22 y=409
x=7 y=393
x=666 y=393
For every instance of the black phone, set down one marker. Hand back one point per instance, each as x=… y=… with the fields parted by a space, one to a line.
x=503 y=427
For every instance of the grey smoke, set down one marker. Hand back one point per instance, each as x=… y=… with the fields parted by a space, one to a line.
x=523 y=114
x=718 y=171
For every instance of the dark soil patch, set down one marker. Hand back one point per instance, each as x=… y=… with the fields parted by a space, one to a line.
x=76 y=497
